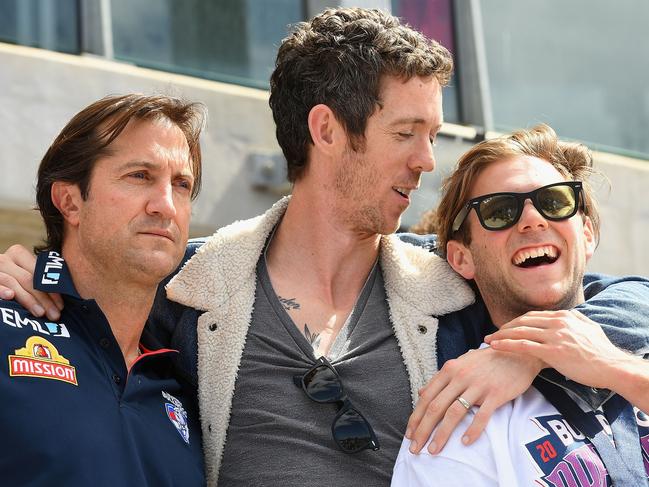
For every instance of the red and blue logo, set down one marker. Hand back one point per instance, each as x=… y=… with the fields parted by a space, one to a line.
x=177 y=415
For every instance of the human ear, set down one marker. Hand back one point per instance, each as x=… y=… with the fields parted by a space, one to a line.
x=326 y=132
x=460 y=259
x=67 y=199
x=589 y=238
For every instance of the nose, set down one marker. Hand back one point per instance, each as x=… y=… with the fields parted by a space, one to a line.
x=161 y=201
x=531 y=219
x=424 y=159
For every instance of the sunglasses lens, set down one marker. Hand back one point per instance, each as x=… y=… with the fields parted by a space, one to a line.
x=498 y=211
x=352 y=433
x=557 y=202
x=322 y=385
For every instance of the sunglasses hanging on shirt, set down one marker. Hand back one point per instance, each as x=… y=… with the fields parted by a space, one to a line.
x=350 y=430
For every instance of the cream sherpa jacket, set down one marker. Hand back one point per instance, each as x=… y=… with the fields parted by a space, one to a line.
x=221 y=280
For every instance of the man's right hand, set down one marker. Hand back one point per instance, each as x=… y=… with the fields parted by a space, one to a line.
x=16 y=282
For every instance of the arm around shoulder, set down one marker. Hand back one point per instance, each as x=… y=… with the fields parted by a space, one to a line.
x=629 y=377
x=620 y=306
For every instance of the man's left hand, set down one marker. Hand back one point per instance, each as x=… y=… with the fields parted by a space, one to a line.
x=483 y=378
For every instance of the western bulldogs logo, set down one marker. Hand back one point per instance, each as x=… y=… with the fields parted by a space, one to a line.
x=564 y=457
x=177 y=415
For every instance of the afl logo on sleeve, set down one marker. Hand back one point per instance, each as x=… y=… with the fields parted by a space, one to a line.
x=177 y=415
x=40 y=359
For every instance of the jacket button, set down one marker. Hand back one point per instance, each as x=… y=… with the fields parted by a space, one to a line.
x=117 y=379
x=422 y=329
x=104 y=343
x=213 y=327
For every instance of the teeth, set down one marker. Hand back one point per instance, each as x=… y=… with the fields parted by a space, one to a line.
x=403 y=191
x=522 y=256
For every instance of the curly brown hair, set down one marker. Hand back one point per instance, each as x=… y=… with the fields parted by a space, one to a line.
x=339 y=59
x=573 y=161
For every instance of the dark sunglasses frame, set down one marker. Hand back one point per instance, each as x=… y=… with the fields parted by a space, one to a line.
x=336 y=394
x=520 y=198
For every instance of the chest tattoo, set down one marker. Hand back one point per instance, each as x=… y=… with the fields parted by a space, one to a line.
x=289 y=303
x=312 y=338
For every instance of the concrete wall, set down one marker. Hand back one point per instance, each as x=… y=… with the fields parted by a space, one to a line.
x=41 y=90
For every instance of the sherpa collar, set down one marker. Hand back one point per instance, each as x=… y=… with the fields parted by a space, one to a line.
x=230 y=256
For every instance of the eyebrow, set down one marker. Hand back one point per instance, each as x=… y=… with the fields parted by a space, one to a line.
x=135 y=164
x=412 y=120
x=151 y=166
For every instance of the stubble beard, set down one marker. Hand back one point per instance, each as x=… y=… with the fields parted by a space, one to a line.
x=509 y=300
x=354 y=183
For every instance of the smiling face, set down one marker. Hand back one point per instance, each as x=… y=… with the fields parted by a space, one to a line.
x=373 y=186
x=134 y=222
x=534 y=265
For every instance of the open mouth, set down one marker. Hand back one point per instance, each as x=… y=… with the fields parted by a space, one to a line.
x=535 y=257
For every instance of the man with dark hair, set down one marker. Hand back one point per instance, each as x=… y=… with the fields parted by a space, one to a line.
x=93 y=398
x=356 y=98
x=312 y=68
x=518 y=218
x=310 y=329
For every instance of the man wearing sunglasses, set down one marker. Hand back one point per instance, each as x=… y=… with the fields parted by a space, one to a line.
x=518 y=219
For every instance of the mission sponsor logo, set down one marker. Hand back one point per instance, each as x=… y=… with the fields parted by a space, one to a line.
x=564 y=457
x=39 y=358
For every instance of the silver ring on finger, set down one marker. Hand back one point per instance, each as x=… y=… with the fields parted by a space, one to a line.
x=464 y=402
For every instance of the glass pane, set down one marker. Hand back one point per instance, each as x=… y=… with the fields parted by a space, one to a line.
x=228 y=40
x=582 y=69
x=435 y=19
x=50 y=24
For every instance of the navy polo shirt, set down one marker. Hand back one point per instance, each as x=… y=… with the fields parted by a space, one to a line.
x=73 y=415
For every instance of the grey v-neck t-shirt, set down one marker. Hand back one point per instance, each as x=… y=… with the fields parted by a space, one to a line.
x=277 y=435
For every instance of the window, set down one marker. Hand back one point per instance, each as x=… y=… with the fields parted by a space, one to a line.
x=435 y=19
x=579 y=66
x=229 y=40
x=50 y=24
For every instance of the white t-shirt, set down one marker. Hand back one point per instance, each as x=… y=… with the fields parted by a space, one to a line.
x=527 y=442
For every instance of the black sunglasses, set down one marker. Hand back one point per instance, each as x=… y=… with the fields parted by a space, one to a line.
x=498 y=211
x=351 y=431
